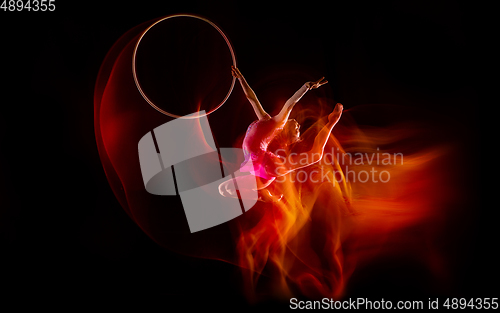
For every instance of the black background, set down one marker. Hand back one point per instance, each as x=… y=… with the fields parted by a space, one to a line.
x=421 y=54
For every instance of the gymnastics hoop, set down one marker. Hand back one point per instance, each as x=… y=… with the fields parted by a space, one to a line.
x=191 y=116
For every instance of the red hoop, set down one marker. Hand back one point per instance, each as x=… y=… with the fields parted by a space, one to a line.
x=139 y=85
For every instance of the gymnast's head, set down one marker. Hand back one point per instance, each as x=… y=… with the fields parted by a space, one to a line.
x=290 y=133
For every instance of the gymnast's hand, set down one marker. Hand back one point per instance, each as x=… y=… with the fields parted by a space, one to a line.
x=316 y=84
x=236 y=72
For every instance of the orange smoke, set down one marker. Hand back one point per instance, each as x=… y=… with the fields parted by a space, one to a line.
x=373 y=186
x=382 y=189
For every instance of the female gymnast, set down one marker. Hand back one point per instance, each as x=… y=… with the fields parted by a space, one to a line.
x=265 y=166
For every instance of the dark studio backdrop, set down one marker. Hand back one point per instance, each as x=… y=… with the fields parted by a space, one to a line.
x=63 y=233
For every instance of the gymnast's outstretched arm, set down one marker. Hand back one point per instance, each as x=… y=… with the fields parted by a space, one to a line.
x=251 y=96
x=282 y=117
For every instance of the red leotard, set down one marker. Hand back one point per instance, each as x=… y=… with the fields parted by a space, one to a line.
x=257 y=138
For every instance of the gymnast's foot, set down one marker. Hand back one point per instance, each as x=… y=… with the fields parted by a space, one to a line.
x=335 y=115
x=266 y=196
